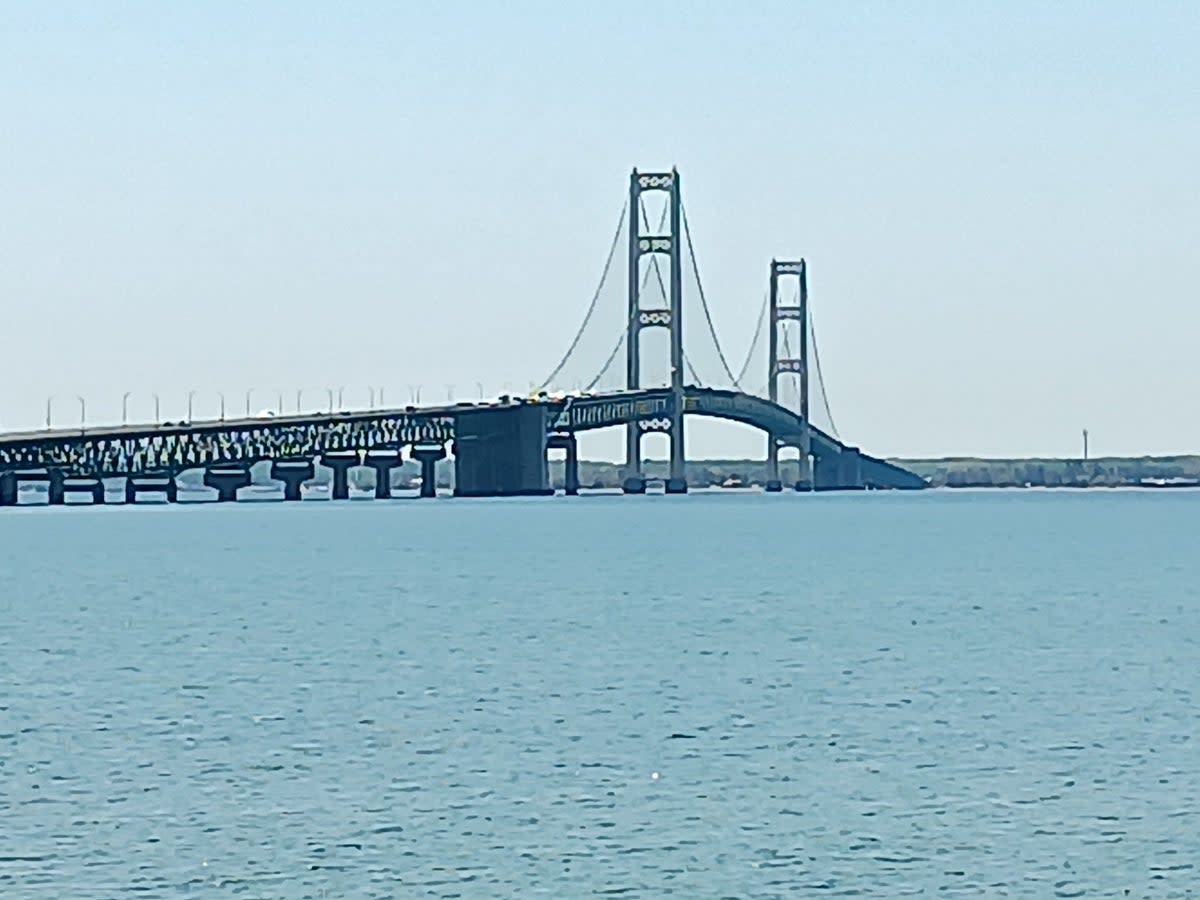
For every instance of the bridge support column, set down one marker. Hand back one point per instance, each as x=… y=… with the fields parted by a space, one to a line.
x=805 y=482
x=429 y=456
x=634 y=481
x=56 y=491
x=382 y=462
x=341 y=463
x=293 y=473
x=568 y=443
x=571 y=469
x=676 y=482
x=62 y=484
x=502 y=452
x=151 y=484
x=8 y=488
x=227 y=480
x=773 y=484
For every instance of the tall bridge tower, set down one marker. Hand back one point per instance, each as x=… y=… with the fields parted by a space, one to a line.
x=781 y=318
x=642 y=245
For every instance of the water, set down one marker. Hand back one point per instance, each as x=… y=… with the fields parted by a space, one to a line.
x=721 y=696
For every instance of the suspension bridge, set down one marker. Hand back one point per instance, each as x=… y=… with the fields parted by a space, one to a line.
x=609 y=376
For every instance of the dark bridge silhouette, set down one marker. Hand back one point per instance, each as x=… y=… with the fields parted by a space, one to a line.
x=499 y=449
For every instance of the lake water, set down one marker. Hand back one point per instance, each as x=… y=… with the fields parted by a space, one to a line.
x=711 y=696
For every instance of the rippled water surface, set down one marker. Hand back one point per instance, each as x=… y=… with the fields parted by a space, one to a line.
x=712 y=696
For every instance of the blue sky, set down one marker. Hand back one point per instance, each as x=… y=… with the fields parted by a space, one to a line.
x=999 y=203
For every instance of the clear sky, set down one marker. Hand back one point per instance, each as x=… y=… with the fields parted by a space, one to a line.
x=999 y=202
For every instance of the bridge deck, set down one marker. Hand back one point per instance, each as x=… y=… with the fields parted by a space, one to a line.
x=134 y=449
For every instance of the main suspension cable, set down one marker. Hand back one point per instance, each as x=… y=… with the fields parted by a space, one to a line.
x=595 y=299
x=703 y=301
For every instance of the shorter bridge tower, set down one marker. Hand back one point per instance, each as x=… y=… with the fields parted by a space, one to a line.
x=671 y=318
x=784 y=316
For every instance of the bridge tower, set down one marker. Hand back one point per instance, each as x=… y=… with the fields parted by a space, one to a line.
x=671 y=318
x=782 y=316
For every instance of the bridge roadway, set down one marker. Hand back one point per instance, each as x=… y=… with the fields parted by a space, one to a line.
x=499 y=448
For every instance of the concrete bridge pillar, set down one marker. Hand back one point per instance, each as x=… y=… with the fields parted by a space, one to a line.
x=773 y=484
x=151 y=484
x=804 y=483
x=97 y=491
x=429 y=456
x=56 y=490
x=341 y=463
x=293 y=473
x=61 y=484
x=571 y=468
x=383 y=461
x=227 y=480
x=500 y=452
x=634 y=484
x=568 y=443
x=8 y=488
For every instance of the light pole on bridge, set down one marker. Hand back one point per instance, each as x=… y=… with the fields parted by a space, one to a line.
x=341 y=393
x=371 y=402
x=249 y=394
x=479 y=384
x=191 y=398
x=414 y=393
x=279 y=401
x=299 y=400
x=82 y=412
x=329 y=391
x=125 y=407
x=157 y=415
x=49 y=410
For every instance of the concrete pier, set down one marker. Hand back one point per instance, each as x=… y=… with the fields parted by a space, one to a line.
x=570 y=445
x=501 y=452
x=8 y=488
x=676 y=486
x=227 y=480
x=571 y=469
x=293 y=473
x=56 y=494
x=151 y=484
x=383 y=461
x=341 y=463
x=62 y=484
x=634 y=484
x=429 y=456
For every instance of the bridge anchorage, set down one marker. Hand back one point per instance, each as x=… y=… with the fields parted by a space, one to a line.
x=501 y=448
